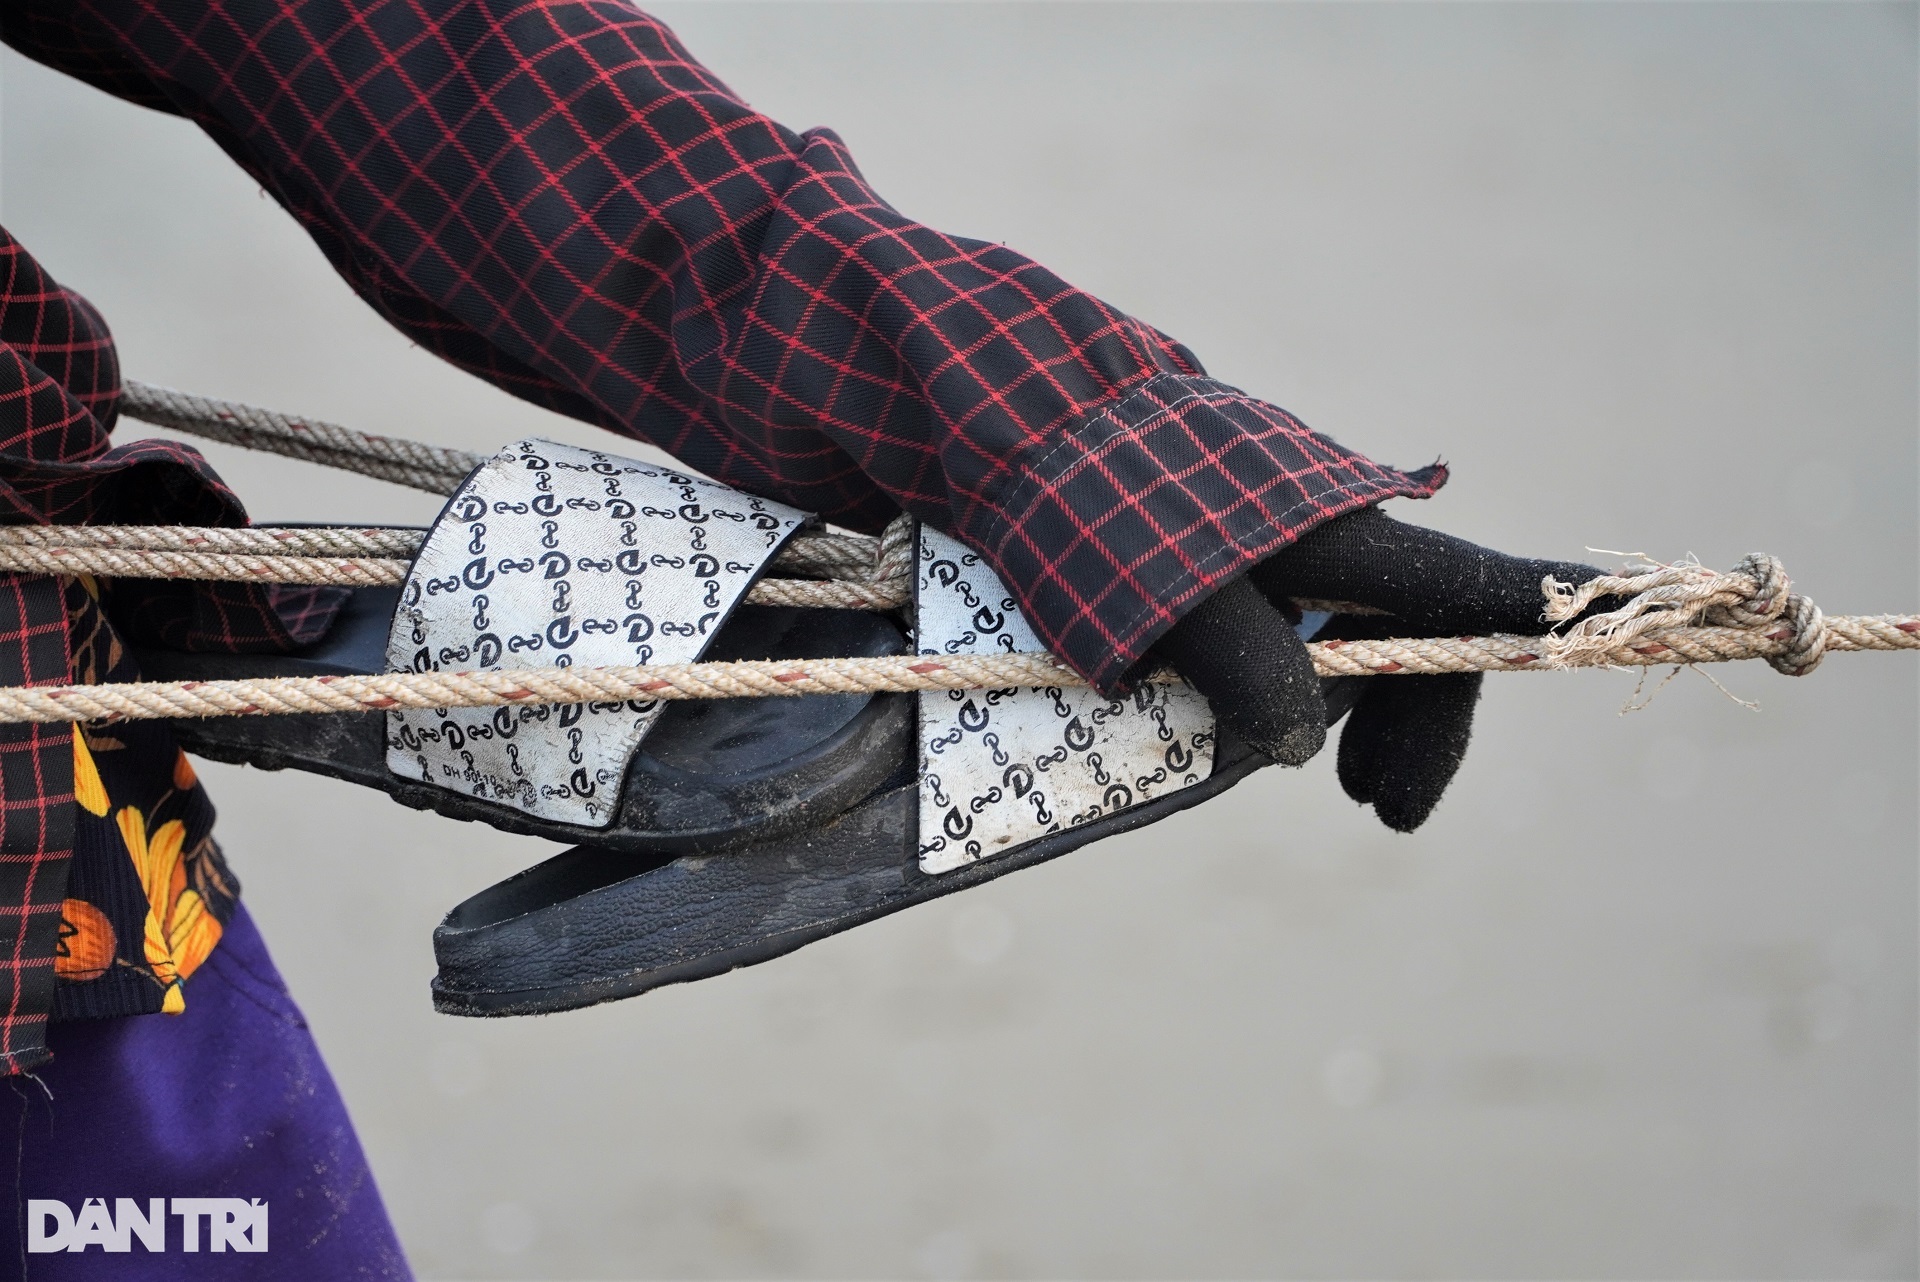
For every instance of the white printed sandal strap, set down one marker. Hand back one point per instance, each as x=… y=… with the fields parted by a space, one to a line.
x=550 y=555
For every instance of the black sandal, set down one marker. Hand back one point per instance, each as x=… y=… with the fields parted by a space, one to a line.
x=589 y=926
x=714 y=834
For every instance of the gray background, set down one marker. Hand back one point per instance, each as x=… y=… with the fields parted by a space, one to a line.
x=1640 y=1001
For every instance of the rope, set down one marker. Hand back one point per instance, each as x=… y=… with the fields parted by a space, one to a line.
x=344 y=572
x=1651 y=648
x=747 y=679
x=849 y=557
x=242 y=567
x=831 y=556
x=390 y=458
x=395 y=458
x=1682 y=613
x=312 y=556
x=414 y=463
x=857 y=574
x=1676 y=614
x=1753 y=595
x=330 y=540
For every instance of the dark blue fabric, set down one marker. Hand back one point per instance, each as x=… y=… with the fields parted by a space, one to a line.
x=229 y=1099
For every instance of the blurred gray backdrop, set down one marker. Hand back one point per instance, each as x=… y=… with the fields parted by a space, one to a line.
x=1639 y=1002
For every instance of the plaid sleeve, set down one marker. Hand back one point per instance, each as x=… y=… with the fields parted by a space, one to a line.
x=36 y=819
x=555 y=195
x=59 y=395
x=59 y=388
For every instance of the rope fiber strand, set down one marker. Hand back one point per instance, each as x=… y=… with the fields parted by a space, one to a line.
x=758 y=678
x=859 y=575
x=388 y=458
x=1678 y=614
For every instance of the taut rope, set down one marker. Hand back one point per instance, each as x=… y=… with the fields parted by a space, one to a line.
x=273 y=695
x=857 y=572
x=1752 y=617
x=389 y=458
x=1678 y=614
x=851 y=563
x=861 y=573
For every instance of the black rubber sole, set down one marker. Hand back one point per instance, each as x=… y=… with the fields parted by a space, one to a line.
x=587 y=926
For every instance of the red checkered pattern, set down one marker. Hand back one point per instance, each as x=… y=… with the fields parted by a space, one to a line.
x=59 y=395
x=36 y=819
x=556 y=196
x=1141 y=509
x=59 y=388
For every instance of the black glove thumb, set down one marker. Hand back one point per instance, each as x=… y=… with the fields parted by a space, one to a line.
x=1240 y=651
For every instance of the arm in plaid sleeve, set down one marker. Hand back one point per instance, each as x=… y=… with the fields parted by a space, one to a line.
x=556 y=196
x=59 y=385
x=59 y=394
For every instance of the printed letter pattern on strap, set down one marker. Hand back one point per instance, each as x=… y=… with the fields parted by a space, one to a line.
x=557 y=556
x=1000 y=768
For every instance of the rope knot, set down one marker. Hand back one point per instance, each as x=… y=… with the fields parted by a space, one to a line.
x=1771 y=606
x=1762 y=598
x=1806 y=639
x=1755 y=596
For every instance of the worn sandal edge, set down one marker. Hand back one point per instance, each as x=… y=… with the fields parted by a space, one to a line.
x=526 y=946
x=892 y=883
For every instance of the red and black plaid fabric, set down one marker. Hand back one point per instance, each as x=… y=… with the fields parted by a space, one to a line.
x=59 y=389
x=556 y=196
x=59 y=396
x=36 y=819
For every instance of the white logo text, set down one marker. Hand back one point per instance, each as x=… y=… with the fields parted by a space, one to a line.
x=232 y=1224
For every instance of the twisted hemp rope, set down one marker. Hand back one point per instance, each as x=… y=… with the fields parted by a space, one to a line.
x=389 y=458
x=840 y=558
x=1680 y=614
x=863 y=574
x=1751 y=613
x=857 y=573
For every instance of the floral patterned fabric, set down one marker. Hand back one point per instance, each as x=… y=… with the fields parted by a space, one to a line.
x=148 y=894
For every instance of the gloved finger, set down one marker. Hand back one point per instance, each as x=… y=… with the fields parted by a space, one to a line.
x=1237 y=649
x=1405 y=741
x=1433 y=583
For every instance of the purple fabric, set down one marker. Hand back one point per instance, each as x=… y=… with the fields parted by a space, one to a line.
x=229 y=1099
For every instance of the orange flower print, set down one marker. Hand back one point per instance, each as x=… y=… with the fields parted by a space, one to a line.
x=85 y=946
x=180 y=931
x=183 y=777
x=87 y=788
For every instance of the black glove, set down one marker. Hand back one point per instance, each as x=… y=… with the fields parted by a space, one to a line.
x=1406 y=736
